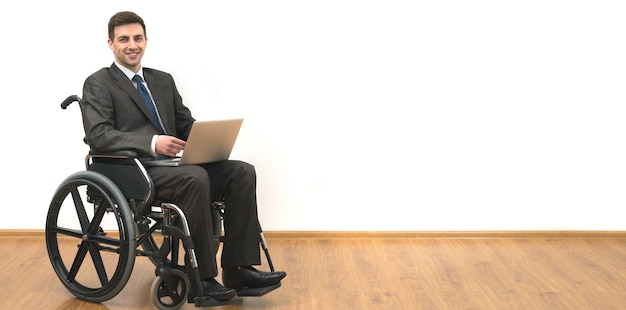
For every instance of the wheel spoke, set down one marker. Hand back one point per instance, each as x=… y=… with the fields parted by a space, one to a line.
x=67 y=232
x=106 y=240
x=78 y=261
x=98 y=263
x=80 y=209
x=94 y=226
x=90 y=236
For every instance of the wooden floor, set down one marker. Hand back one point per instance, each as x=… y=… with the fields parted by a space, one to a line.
x=549 y=272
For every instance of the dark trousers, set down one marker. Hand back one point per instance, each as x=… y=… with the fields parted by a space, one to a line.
x=193 y=188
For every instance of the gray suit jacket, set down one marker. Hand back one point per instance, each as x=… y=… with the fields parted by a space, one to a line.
x=115 y=117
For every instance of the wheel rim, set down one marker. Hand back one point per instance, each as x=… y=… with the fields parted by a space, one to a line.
x=91 y=264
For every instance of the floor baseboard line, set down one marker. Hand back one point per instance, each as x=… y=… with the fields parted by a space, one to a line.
x=4 y=233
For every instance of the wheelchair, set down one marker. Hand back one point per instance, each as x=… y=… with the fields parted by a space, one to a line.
x=110 y=216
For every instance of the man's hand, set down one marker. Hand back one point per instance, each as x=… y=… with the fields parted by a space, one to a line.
x=168 y=145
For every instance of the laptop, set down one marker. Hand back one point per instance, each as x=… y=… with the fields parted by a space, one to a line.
x=208 y=141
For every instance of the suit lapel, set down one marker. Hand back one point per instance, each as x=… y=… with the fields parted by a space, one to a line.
x=127 y=86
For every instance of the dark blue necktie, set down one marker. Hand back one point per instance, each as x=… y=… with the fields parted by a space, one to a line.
x=143 y=92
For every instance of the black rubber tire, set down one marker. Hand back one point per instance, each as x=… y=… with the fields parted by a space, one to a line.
x=165 y=298
x=104 y=231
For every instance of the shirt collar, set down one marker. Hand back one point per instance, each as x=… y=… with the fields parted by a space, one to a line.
x=129 y=73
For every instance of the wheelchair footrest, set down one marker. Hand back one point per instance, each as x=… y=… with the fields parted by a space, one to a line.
x=210 y=302
x=257 y=291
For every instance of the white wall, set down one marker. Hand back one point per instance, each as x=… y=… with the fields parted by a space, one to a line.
x=360 y=115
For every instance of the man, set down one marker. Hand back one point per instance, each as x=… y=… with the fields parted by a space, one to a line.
x=117 y=117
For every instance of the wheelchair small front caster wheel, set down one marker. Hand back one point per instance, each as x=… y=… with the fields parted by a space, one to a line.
x=170 y=293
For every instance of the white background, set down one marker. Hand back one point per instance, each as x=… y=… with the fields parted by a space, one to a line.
x=359 y=115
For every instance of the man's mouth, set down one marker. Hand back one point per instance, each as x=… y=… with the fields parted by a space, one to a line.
x=132 y=54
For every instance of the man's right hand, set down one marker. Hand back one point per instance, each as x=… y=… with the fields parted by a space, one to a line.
x=168 y=145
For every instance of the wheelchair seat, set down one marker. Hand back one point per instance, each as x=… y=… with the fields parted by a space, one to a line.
x=110 y=212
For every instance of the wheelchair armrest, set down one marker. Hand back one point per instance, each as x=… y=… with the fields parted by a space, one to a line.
x=116 y=154
x=123 y=157
x=126 y=170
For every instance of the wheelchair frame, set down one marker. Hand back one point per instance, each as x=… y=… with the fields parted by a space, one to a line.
x=116 y=213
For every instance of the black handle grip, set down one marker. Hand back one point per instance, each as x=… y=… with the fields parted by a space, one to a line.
x=68 y=101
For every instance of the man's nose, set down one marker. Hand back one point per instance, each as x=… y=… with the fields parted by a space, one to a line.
x=132 y=44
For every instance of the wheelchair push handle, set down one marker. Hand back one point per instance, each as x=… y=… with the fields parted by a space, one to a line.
x=69 y=101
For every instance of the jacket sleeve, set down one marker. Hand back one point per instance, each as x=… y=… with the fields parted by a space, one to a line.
x=111 y=120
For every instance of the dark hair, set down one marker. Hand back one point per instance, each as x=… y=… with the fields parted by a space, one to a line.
x=124 y=18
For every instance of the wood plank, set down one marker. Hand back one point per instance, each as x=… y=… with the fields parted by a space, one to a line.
x=375 y=273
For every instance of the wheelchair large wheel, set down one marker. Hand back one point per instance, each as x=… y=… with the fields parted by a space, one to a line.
x=90 y=236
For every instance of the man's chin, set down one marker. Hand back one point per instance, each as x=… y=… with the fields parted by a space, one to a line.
x=132 y=65
x=133 y=61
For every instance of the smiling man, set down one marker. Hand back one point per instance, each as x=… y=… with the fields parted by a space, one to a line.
x=130 y=107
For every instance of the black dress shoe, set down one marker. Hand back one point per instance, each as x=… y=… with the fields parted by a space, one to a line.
x=216 y=291
x=248 y=277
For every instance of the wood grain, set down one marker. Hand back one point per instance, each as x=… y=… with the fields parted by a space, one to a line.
x=366 y=272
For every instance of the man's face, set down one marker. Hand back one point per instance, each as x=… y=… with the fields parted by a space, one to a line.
x=128 y=45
